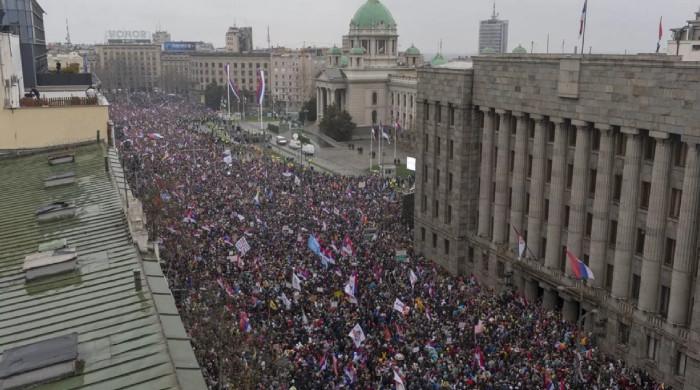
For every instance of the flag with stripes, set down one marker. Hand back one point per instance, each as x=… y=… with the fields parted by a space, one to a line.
x=583 y=18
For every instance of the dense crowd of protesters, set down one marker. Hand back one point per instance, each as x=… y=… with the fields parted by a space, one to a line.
x=288 y=278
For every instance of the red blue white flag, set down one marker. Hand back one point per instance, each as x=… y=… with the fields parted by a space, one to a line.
x=260 y=95
x=583 y=18
x=579 y=268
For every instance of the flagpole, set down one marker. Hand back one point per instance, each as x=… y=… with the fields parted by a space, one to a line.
x=371 y=150
x=381 y=158
x=228 y=90
x=585 y=22
x=395 y=142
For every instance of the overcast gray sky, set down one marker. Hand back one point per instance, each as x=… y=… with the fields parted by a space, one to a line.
x=613 y=25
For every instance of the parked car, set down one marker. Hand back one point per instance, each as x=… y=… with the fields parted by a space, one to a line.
x=295 y=144
x=308 y=150
x=281 y=140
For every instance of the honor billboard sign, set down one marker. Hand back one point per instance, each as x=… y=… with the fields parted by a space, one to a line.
x=128 y=36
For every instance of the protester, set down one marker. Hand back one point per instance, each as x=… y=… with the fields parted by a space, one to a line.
x=288 y=278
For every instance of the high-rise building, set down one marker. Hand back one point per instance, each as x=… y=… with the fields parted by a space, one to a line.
x=128 y=65
x=493 y=35
x=26 y=19
x=519 y=176
x=239 y=39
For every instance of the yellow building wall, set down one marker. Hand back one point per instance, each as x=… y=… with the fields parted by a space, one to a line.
x=40 y=127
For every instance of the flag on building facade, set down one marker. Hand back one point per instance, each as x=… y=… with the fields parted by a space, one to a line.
x=579 y=268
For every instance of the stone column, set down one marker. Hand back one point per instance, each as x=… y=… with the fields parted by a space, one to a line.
x=517 y=208
x=655 y=238
x=556 y=195
x=570 y=310
x=486 y=176
x=531 y=290
x=579 y=191
x=536 y=212
x=332 y=93
x=627 y=224
x=502 y=167
x=549 y=299
x=687 y=234
x=601 y=205
x=319 y=111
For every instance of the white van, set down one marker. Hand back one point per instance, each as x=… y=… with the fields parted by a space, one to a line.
x=308 y=150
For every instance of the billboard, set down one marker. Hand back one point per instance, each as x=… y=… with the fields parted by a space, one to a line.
x=411 y=163
x=180 y=46
x=128 y=36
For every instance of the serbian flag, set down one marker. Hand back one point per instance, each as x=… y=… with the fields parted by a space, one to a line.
x=350 y=374
x=412 y=278
x=323 y=362
x=583 y=18
x=548 y=384
x=260 y=93
x=579 y=268
x=661 y=34
x=347 y=248
x=399 y=380
x=244 y=322
x=479 y=358
x=401 y=307
x=230 y=83
x=327 y=256
x=351 y=288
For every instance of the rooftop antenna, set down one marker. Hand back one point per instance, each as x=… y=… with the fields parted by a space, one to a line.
x=268 y=36
x=494 y=15
x=67 y=33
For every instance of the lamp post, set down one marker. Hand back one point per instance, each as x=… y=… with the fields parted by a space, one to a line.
x=301 y=137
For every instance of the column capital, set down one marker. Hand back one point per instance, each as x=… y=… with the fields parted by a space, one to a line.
x=659 y=135
x=579 y=123
x=629 y=130
x=500 y=112
x=517 y=114
x=485 y=110
x=556 y=119
x=536 y=117
x=603 y=126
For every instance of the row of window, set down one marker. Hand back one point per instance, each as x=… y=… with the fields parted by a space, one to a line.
x=234 y=65
x=437 y=116
x=445 y=242
x=438 y=147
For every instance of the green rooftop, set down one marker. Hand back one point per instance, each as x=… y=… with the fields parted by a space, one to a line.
x=357 y=51
x=125 y=338
x=335 y=51
x=438 y=60
x=412 y=51
x=373 y=14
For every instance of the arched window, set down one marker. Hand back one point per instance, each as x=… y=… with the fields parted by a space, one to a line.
x=374 y=98
x=374 y=117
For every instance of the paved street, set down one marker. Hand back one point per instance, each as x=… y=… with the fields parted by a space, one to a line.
x=335 y=156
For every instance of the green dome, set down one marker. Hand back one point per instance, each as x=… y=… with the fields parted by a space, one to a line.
x=412 y=51
x=344 y=61
x=520 y=50
x=489 y=50
x=335 y=51
x=358 y=51
x=438 y=60
x=373 y=14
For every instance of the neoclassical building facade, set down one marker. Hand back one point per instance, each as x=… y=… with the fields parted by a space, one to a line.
x=367 y=76
x=595 y=155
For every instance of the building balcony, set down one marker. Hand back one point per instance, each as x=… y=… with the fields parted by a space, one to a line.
x=59 y=102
